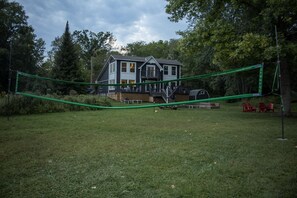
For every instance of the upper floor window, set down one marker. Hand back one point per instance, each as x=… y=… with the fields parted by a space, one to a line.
x=132 y=67
x=128 y=67
x=173 y=71
x=165 y=70
x=124 y=67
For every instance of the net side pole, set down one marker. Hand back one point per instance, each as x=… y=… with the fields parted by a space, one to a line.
x=260 y=80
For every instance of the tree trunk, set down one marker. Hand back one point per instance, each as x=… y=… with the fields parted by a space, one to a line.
x=285 y=87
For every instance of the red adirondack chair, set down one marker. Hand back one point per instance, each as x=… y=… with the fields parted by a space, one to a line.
x=262 y=107
x=270 y=107
x=247 y=107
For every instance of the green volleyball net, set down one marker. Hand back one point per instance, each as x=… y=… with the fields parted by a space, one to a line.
x=239 y=83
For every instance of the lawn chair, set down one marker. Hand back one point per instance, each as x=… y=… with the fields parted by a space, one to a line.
x=247 y=107
x=270 y=107
x=262 y=107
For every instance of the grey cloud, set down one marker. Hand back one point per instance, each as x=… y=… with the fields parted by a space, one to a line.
x=128 y=20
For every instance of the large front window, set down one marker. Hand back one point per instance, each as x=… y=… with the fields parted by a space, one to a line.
x=150 y=71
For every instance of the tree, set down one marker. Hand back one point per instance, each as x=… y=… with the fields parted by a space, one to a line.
x=66 y=65
x=241 y=32
x=26 y=50
x=93 y=48
x=160 y=49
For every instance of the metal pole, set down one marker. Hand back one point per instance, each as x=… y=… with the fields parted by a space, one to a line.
x=9 y=80
x=280 y=86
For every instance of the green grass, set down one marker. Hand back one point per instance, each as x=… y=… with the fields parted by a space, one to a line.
x=142 y=153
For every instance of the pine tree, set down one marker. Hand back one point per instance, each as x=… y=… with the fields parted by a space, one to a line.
x=67 y=65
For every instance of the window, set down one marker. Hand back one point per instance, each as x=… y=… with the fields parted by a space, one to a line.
x=132 y=82
x=132 y=67
x=150 y=71
x=111 y=82
x=112 y=67
x=124 y=82
x=124 y=67
x=165 y=70
x=173 y=71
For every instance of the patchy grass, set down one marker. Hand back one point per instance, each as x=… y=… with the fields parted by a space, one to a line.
x=140 y=153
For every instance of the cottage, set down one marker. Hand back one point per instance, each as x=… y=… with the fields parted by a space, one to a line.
x=129 y=70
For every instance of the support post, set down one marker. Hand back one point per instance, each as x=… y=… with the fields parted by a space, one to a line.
x=260 y=80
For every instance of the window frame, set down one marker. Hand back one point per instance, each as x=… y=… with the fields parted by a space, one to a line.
x=132 y=63
x=123 y=67
x=175 y=69
x=166 y=71
x=111 y=81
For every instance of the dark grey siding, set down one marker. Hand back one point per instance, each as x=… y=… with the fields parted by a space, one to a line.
x=104 y=76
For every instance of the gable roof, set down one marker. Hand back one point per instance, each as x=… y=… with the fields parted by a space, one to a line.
x=148 y=59
x=144 y=59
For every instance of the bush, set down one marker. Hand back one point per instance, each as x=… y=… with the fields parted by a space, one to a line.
x=20 y=105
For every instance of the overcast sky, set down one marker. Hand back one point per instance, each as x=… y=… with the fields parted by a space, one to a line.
x=128 y=20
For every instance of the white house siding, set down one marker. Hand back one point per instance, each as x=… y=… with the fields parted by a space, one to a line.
x=112 y=71
x=128 y=75
x=169 y=76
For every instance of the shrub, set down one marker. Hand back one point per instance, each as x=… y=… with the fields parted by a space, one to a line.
x=25 y=105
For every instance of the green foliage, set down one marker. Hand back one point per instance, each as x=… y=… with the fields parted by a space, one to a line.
x=26 y=50
x=25 y=105
x=160 y=49
x=93 y=49
x=239 y=33
x=67 y=65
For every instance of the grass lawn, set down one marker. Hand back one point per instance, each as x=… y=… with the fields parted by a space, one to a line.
x=142 y=153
